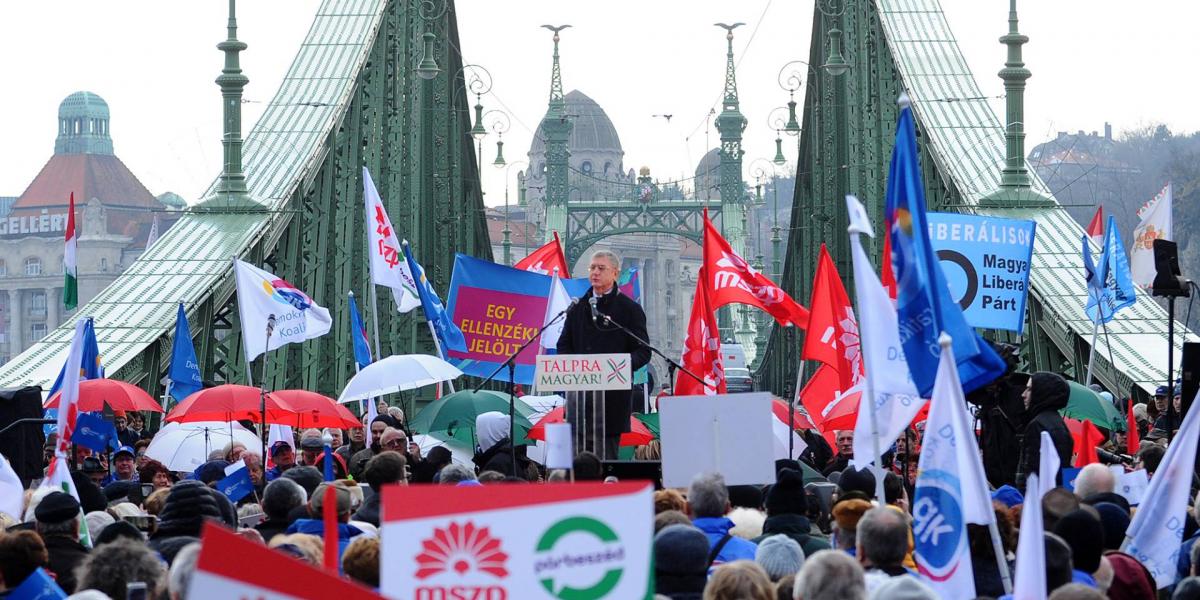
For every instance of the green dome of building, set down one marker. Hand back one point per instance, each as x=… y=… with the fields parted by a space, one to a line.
x=83 y=125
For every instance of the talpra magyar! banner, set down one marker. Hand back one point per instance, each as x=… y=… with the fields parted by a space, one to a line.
x=986 y=261
x=556 y=541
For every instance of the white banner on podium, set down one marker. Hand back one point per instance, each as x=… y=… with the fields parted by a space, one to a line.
x=582 y=372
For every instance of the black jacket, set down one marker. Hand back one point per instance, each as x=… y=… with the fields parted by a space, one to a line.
x=1002 y=421
x=581 y=336
x=1048 y=395
x=65 y=555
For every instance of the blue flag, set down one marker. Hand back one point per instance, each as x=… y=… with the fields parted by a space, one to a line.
x=38 y=586
x=92 y=431
x=1110 y=282
x=236 y=485
x=328 y=463
x=448 y=333
x=358 y=336
x=90 y=368
x=184 y=371
x=923 y=301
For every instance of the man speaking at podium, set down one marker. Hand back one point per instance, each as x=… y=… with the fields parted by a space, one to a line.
x=587 y=330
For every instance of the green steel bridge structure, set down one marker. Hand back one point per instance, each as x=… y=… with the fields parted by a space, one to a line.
x=381 y=83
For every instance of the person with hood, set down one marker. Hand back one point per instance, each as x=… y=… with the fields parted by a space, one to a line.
x=1045 y=395
x=787 y=505
x=495 y=451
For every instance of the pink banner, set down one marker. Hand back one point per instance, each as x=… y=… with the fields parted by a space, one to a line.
x=496 y=323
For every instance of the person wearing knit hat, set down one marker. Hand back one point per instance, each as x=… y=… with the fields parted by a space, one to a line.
x=211 y=471
x=857 y=480
x=746 y=496
x=780 y=556
x=1084 y=534
x=846 y=514
x=189 y=504
x=1008 y=495
x=904 y=587
x=1114 y=520
x=680 y=562
x=787 y=513
x=57 y=520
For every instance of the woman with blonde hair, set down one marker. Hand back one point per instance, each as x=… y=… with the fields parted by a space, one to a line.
x=739 y=580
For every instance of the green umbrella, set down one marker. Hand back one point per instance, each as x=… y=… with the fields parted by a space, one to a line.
x=810 y=474
x=650 y=420
x=454 y=414
x=1087 y=404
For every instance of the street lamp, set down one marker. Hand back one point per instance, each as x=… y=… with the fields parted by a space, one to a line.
x=430 y=11
x=499 y=122
x=791 y=79
x=835 y=63
x=507 y=242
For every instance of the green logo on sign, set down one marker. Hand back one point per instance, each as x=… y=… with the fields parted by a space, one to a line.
x=553 y=561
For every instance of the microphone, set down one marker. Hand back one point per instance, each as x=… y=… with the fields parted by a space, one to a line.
x=595 y=313
x=270 y=325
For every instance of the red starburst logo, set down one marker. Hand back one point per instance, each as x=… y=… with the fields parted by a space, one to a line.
x=461 y=548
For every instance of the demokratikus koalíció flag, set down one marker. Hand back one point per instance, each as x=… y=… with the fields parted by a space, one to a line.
x=387 y=264
x=262 y=294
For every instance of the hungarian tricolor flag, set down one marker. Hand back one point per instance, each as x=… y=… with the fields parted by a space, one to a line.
x=1095 y=229
x=701 y=349
x=70 y=272
x=731 y=279
x=546 y=259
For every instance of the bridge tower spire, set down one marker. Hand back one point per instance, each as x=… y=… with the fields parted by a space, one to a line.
x=232 y=182
x=556 y=126
x=730 y=124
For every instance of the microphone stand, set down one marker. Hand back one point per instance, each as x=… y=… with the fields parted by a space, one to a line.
x=672 y=364
x=511 y=363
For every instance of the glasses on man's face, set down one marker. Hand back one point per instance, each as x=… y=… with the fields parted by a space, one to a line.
x=394 y=443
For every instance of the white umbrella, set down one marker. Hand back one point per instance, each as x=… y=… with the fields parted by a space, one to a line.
x=185 y=446
x=459 y=452
x=396 y=373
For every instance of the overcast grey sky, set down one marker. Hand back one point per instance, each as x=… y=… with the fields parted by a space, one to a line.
x=154 y=61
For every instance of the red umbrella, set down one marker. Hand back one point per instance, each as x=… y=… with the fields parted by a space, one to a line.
x=231 y=402
x=638 y=434
x=314 y=410
x=844 y=414
x=94 y=394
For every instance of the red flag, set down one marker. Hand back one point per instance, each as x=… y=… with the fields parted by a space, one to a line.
x=886 y=276
x=1132 y=440
x=546 y=259
x=1095 y=229
x=1085 y=437
x=732 y=280
x=701 y=348
x=329 y=516
x=817 y=396
x=832 y=329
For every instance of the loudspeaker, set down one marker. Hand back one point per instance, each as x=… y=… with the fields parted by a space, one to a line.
x=1190 y=372
x=635 y=470
x=22 y=444
x=1167 y=280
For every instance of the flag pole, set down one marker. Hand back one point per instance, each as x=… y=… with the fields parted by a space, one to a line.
x=867 y=395
x=437 y=345
x=998 y=550
x=791 y=410
x=1092 y=352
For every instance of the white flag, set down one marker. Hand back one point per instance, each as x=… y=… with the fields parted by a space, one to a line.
x=897 y=401
x=1048 y=464
x=388 y=267
x=12 y=496
x=1156 y=531
x=1030 y=581
x=261 y=295
x=1157 y=224
x=951 y=490
x=559 y=301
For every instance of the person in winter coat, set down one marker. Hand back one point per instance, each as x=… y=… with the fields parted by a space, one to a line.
x=583 y=333
x=787 y=506
x=495 y=450
x=1045 y=395
x=316 y=526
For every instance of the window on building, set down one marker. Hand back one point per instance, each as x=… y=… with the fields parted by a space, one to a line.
x=103 y=265
x=607 y=167
x=37 y=331
x=33 y=266
x=586 y=167
x=37 y=304
x=3 y=268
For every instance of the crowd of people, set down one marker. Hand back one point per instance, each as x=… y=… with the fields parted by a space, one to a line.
x=816 y=533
